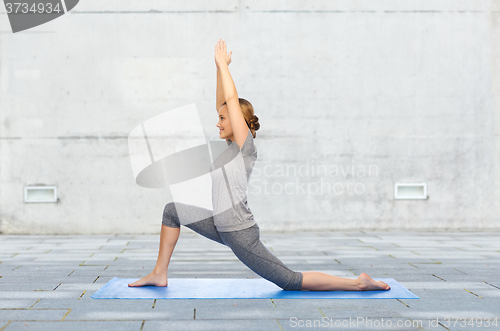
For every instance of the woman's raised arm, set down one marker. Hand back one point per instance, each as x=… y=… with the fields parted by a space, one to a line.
x=220 y=92
x=238 y=124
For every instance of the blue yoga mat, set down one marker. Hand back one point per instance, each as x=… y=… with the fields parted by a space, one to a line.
x=230 y=288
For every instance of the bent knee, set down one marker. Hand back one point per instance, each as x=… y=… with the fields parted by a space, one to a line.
x=295 y=283
x=170 y=217
x=169 y=208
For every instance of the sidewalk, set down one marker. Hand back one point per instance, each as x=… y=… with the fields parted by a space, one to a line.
x=46 y=282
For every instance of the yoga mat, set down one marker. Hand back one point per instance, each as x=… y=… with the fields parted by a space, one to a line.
x=230 y=288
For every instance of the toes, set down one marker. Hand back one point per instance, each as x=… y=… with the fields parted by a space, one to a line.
x=386 y=286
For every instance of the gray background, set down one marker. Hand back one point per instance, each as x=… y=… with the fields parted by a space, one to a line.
x=410 y=87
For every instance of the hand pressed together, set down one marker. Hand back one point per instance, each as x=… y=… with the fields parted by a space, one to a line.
x=221 y=55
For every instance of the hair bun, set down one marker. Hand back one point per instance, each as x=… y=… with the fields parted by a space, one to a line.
x=254 y=123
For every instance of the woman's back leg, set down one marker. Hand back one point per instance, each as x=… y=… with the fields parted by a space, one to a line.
x=248 y=247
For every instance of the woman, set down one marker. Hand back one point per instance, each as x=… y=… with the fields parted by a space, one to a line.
x=232 y=223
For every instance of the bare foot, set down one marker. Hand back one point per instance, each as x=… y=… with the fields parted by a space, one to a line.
x=369 y=284
x=151 y=279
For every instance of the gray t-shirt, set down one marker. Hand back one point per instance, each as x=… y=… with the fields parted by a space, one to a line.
x=230 y=173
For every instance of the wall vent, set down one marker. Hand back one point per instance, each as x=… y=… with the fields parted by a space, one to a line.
x=40 y=194
x=410 y=191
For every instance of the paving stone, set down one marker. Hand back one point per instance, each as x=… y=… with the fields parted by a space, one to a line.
x=448 y=285
x=359 y=310
x=451 y=306
x=97 y=304
x=77 y=286
x=131 y=313
x=32 y=314
x=213 y=325
x=29 y=286
x=75 y=326
x=221 y=311
x=15 y=303
x=8 y=295
x=430 y=294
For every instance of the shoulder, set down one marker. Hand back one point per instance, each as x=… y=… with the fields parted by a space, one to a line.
x=248 y=147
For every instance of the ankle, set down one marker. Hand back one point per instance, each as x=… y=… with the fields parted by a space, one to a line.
x=159 y=271
x=359 y=284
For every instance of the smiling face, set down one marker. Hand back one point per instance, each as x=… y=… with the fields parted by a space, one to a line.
x=224 y=125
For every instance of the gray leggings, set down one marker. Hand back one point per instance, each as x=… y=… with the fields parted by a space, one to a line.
x=245 y=244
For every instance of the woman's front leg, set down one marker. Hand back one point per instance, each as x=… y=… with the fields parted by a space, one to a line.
x=158 y=277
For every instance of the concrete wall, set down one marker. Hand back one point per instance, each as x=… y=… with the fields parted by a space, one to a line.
x=409 y=90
